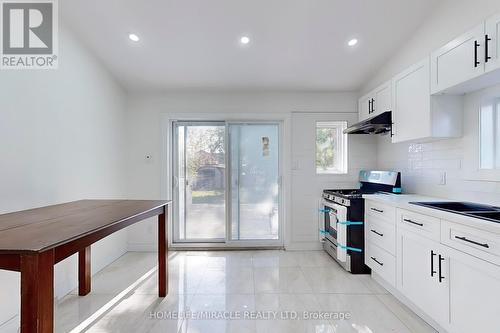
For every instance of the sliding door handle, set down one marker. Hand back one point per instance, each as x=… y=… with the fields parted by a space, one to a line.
x=487 y=57
x=476 y=47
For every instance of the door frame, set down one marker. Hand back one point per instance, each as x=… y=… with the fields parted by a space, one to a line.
x=167 y=173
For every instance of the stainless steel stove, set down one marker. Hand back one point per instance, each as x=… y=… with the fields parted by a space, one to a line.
x=342 y=230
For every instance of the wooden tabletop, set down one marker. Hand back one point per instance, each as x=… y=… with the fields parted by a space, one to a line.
x=40 y=229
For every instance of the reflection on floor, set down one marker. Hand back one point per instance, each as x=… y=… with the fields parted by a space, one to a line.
x=240 y=291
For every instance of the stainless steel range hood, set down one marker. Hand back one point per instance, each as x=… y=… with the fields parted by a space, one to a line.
x=375 y=125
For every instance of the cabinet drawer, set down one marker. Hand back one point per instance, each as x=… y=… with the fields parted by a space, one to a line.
x=381 y=262
x=381 y=233
x=375 y=208
x=479 y=243
x=424 y=225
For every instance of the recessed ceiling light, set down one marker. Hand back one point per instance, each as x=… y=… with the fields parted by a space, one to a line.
x=352 y=42
x=244 y=40
x=133 y=37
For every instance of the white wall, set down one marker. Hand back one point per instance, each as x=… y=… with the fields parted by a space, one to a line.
x=422 y=164
x=307 y=186
x=448 y=20
x=62 y=139
x=145 y=133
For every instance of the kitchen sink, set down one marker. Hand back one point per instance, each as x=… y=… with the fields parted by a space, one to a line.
x=458 y=207
x=494 y=216
x=485 y=212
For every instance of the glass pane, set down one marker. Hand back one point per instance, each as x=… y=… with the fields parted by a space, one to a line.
x=487 y=138
x=202 y=189
x=255 y=181
x=330 y=147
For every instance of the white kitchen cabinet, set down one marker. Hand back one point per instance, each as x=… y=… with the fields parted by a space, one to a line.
x=376 y=102
x=382 y=99
x=422 y=275
x=492 y=43
x=365 y=107
x=459 y=60
x=474 y=289
x=416 y=114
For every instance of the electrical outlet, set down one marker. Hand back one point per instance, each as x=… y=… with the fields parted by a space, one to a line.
x=442 y=178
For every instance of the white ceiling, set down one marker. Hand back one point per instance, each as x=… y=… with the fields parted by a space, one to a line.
x=194 y=44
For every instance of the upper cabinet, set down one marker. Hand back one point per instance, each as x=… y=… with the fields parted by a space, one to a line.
x=375 y=102
x=469 y=62
x=365 y=107
x=492 y=43
x=416 y=114
x=458 y=61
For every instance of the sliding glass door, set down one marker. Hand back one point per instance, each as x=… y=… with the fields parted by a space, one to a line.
x=201 y=182
x=254 y=161
x=227 y=182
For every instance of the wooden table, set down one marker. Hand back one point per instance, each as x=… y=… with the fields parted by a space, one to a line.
x=33 y=241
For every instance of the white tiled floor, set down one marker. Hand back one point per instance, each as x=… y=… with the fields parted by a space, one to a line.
x=235 y=282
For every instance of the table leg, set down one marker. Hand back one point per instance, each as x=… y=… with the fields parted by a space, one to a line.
x=37 y=292
x=84 y=275
x=162 y=255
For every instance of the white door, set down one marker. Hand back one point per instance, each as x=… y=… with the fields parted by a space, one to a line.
x=365 y=107
x=458 y=61
x=474 y=293
x=411 y=103
x=492 y=43
x=422 y=275
x=382 y=99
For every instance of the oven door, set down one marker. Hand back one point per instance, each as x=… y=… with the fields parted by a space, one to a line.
x=337 y=232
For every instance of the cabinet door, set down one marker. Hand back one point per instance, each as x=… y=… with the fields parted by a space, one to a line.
x=418 y=275
x=382 y=97
x=458 y=61
x=474 y=292
x=364 y=107
x=411 y=104
x=492 y=43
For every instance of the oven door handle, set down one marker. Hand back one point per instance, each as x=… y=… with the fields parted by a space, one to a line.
x=325 y=210
x=354 y=249
x=350 y=223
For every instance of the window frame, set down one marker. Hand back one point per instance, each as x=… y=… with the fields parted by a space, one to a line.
x=340 y=165
x=471 y=160
x=494 y=103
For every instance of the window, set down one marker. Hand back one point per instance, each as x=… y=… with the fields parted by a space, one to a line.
x=331 y=147
x=489 y=123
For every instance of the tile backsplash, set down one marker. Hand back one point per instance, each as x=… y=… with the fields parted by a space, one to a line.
x=435 y=169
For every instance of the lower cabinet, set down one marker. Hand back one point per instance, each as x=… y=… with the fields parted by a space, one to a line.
x=422 y=275
x=474 y=294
